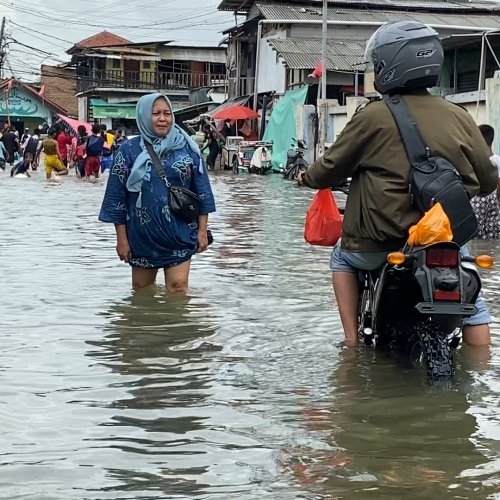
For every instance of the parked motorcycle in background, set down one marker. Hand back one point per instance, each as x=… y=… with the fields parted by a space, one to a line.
x=295 y=161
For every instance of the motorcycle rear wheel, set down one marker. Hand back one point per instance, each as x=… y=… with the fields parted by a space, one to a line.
x=433 y=348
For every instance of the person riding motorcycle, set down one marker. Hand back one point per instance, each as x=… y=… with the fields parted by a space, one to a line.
x=407 y=59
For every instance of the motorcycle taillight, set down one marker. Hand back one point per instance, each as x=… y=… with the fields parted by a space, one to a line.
x=446 y=295
x=441 y=257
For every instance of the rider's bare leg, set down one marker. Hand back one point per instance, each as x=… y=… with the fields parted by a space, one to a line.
x=345 y=286
x=476 y=335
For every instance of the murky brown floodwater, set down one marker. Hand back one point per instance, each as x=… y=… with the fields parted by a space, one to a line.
x=239 y=391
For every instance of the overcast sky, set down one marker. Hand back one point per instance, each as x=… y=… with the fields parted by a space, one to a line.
x=53 y=26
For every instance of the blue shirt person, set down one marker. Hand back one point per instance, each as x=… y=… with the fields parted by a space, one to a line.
x=23 y=166
x=149 y=235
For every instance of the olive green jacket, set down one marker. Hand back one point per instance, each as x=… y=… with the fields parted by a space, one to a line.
x=378 y=212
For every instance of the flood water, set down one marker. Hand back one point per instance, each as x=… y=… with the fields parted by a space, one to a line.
x=241 y=390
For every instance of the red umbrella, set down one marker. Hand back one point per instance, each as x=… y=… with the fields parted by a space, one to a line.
x=235 y=113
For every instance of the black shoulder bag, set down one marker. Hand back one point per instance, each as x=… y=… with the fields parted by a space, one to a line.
x=182 y=201
x=433 y=178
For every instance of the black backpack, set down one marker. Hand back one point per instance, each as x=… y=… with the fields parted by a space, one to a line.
x=32 y=146
x=433 y=178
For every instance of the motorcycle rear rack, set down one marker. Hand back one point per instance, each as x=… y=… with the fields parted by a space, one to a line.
x=446 y=309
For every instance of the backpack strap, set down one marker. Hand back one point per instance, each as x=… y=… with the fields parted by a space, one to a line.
x=416 y=148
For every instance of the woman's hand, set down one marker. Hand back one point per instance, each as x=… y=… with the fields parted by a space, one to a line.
x=122 y=245
x=202 y=240
x=123 y=249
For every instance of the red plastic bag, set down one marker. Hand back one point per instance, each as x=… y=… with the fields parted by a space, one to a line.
x=323 y=221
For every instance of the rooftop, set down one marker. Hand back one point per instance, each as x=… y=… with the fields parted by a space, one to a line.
x=102 y=39
x=430 y=5
x=305 y=12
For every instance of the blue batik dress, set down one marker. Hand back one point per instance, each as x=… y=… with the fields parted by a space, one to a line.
x=157 y=237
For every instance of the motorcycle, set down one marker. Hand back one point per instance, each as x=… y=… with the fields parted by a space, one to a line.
x=415 y=303
x=295 y=162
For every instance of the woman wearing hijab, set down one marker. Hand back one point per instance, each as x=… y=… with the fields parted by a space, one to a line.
x=149 y=235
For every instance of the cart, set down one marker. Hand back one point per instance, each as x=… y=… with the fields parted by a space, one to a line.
x=229 y=151
x=254 y=157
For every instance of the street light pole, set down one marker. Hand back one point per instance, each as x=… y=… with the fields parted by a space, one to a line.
x=2 y=51
x=324 y=35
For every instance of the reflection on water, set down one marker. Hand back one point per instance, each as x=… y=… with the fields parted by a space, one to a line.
x=240 y=390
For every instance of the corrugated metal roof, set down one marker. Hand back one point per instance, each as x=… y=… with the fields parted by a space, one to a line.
x=301 y=53
x=451 y=5
x=306 y=13
x=448 y=5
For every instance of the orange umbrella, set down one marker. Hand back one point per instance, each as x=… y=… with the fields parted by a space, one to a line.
x=236 y=112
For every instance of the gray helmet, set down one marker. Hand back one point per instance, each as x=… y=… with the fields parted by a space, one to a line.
x=405 y=55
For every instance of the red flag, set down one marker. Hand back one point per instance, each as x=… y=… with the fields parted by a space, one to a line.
x=318 y=71
x=41 y=92
x=10 y=84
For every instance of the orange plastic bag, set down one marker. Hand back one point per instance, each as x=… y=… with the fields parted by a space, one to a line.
x=323 y=221
x=433 y=227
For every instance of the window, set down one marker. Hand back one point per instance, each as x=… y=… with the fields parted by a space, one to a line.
x=146 y=64
x=217 y=69
x=174 y=66
x=117 y=64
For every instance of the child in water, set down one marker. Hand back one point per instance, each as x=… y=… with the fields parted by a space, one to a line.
x=23 y=166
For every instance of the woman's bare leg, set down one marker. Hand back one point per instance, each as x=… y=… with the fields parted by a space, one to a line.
x=142 y=278
x=177 y=278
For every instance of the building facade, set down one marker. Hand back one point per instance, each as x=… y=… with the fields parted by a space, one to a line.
x=278 y=45
x=112 y=73
x=22 y=106
x=59 y=83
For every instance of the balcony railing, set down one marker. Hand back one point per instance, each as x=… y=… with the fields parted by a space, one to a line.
x=145 y=80
x=240 y=86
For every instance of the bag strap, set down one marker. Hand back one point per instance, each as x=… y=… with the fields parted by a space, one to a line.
x=157 y=163
x=416 y=148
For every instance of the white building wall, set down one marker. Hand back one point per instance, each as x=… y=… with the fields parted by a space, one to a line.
x=193 y=54
x=271 y=71
x=82 y=109
x=468 y=100
x=493 y=108
x=339 y=116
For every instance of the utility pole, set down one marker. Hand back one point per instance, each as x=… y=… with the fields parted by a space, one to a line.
x=2 y=52
x=324 y=35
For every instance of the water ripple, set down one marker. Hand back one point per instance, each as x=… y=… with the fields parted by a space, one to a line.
x=240 y=390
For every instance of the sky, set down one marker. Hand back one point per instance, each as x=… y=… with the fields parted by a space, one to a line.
x=40 y=31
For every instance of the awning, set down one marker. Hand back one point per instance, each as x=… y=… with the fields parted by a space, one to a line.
x=73 y=124
x=241 y=101
x=103 y=109
x=299 y=53
x=190 y=113
x=230 y=102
